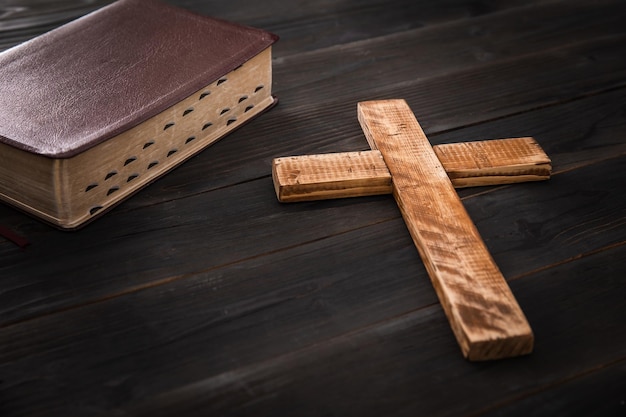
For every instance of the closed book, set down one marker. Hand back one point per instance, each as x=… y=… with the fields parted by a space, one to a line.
x=98 y=108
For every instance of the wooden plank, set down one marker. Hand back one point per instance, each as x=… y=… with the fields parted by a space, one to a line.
x=405 y=352
x=29 y=20
x=371 y=19
x=458 y=46
x=484 y=315
x=600 y=392
x=296 y=22
x=180 y=238
x=327 y=176
x=226 y=326
x=494 y=162
x=357 y=174
x=322 y=330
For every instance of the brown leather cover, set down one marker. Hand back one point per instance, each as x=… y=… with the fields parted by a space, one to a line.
x=93 y=78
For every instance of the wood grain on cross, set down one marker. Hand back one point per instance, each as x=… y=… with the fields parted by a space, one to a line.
x=483 y=313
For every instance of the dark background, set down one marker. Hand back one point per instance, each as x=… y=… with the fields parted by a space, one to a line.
x=202 y=295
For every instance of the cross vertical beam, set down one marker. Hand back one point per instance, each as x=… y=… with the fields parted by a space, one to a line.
x=483 y=313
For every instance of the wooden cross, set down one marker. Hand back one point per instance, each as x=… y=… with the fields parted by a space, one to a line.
x=485 y=317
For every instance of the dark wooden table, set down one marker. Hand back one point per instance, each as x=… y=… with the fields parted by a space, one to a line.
x=203 y=295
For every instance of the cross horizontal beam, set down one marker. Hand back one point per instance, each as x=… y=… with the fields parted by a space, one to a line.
x=357 y=174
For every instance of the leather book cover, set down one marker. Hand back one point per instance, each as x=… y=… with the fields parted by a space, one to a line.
x=91 y=79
